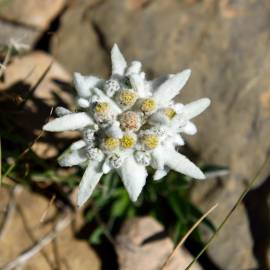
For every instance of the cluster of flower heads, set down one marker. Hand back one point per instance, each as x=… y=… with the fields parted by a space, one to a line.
x=128 y=123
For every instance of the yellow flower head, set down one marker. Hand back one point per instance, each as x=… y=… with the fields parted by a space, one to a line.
x=127 y=141
x=169 y=112
x=102 y=108
x=127 y=97
x=150 y=141
x=148 y=105
x=110 y=143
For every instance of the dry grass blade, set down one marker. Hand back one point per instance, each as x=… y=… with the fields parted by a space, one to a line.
x=198 y=222
x=35 y=86
x=259 y=175
x=36 y=248
x=6 y=60
x=45 y=213
x=9 y=210
x=13 y=165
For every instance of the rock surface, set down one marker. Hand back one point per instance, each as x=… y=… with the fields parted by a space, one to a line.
x=213 y=38
x=78 y=45
x=21 y=75
x=25 y=228
x=37 y=14
x=19 y=33
x=142 y=244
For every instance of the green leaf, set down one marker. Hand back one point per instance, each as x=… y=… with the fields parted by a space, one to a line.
x=96 y=235
x=120 y=206
x=174 y=202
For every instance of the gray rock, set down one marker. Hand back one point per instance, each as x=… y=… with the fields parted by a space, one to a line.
x=36 y=14
x=19 y=33
x=226 y=44
x=77 y=44
x=141 y=244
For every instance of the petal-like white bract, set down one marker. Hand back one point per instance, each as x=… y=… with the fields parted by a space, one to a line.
x=84 y=84
x=171 y=88
x=189 y=128
x=133 y=176
x=105 y=98
x=160 y=173
x=138 y=84
x=174 y=140
x=158 y=118
x=134 y=68
x=61 y=111
x=119 y=63
x=106 y=167
x=78 y=145
x=89 y=181
x=128 y=123
x=195 y=108
x=158 y=158
x=154 y=84
x=114 y=130
x=83 y=103
x=71 y=121
x=181 y=164
x=75 y=157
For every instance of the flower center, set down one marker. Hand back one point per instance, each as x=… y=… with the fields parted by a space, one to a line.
x=148 y=105
x=150 y=141
x=102 y=108
x=127 y=141
x=127 y=97
x=169 y=112
x=110 y=143
x=130 y=121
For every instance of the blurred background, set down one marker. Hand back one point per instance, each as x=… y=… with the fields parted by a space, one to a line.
x=225 y=43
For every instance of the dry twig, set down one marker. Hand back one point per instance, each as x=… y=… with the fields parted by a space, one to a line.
x=9 y=210
x=6 y=60
x=13 y=165
x=45 y=213
x=26 y=255
x=186 y=236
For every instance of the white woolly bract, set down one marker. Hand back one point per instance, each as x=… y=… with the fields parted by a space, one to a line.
x=127 y=123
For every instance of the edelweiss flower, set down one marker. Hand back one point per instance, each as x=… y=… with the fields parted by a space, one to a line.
x=128 y=123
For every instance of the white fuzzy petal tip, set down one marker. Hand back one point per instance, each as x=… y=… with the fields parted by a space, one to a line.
x=78 y=145
x=61 y=111
x=171 y=87
x=133 y=176
x=119 y=63
x=159 y=174
x=189 y=128
x=195 y=108
x=76 y=157
x=71 y=121
x=138 y=84
x=83 y=103
x=134 y=68
x=181 y=164
x=83 y=84
x=88 y=183
x=146 y=136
